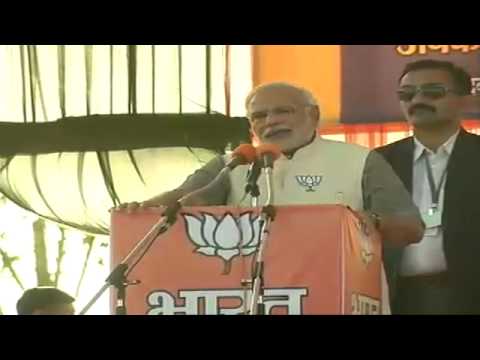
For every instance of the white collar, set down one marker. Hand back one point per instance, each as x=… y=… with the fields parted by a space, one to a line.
x=447 y=147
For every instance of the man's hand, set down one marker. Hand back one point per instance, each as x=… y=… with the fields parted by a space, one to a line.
x=164 y=199
x=367 y=222
x=395 y=230
x=132 y=206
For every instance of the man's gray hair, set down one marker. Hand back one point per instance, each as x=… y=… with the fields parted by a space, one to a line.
x=306 y=94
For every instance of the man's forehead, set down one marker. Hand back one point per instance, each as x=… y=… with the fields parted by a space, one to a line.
x=427 y=76
x=276 y=96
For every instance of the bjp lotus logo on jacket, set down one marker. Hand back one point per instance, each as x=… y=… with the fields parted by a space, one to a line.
x=225 y=238
x=476 y=86
x=309 y=181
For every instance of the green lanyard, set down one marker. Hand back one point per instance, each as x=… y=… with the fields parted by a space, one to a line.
x=434 y=191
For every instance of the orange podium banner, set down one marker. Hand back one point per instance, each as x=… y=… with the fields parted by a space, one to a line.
x=318 y=260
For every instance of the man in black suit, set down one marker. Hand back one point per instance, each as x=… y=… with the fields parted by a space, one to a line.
x=440 y=166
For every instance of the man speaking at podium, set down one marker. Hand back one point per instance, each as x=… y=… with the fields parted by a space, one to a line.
x=288 y=116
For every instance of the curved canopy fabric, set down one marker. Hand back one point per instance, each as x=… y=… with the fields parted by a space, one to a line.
x=81 y=192
x=73 y=171
x=84 y=127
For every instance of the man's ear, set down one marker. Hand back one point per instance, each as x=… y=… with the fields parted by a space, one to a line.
x=462 y=103
x=315 y=113
x=317 y=110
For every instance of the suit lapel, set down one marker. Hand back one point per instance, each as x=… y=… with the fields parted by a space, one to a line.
x=459 y=170
x=403 y=163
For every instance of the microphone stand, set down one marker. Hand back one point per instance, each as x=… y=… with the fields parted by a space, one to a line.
x=118 y=277
x=252 y=183
x=257 y=305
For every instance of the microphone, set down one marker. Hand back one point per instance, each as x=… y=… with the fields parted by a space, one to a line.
x=242 y=155
x=253 y=174
x=268 y=153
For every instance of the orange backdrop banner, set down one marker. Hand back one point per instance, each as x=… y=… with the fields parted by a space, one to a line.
x=356 y=84
x=318 y=260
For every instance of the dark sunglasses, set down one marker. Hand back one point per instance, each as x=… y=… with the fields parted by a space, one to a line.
x=432 y=92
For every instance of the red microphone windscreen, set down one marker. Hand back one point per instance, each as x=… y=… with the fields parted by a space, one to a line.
x=246 y=152
x=271 y=149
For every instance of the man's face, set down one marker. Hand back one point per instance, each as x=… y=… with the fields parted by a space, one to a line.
x=437 y=105
x=281 y=116
x=60 y=309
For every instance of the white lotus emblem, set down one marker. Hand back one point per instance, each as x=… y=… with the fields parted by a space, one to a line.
x=476 y=86
x=365 y=240
x=226 y=237
x=309 y=181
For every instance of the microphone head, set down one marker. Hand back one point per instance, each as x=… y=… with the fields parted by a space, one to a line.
x=246 y=153
x=272 y=150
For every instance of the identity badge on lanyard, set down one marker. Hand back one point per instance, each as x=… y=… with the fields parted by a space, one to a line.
x=433 y=217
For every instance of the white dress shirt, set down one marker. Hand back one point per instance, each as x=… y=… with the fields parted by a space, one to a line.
x=427 y=257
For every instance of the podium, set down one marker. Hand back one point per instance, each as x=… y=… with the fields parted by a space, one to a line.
x=318 y=260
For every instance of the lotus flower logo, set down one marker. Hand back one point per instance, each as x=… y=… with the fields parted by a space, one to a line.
x=225 y=238
x=476 y=86
x=366 y=252
x=309 y=181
